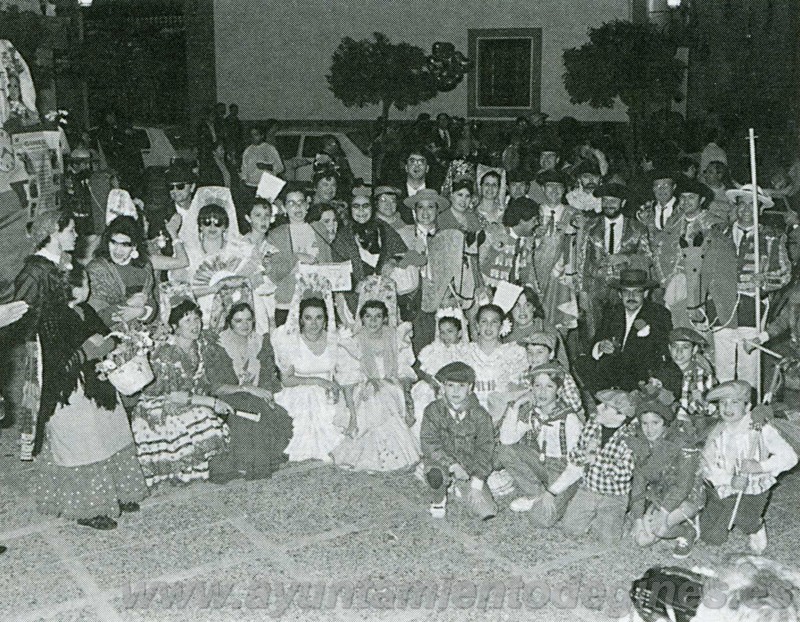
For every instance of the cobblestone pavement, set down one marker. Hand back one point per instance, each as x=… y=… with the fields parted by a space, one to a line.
x=288 y=546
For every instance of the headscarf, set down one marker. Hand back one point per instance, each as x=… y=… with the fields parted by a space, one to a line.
x=190 y=233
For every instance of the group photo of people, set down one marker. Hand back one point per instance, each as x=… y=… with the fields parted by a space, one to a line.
x=531 y=330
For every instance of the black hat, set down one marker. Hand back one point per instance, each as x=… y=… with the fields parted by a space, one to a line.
x=456 y=372
x=551 y=176
x=181 y=171
x=519 y=209
x=611 y=189
x=586 y=167
x=663 y=173
x=517 y=174
x=633 y=279
x=705 y=193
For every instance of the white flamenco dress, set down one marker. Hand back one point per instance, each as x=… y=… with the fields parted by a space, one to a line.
x=316 y=415
x=312 y=410
x=383 y=441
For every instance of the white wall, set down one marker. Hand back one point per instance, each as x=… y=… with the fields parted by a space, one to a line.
x=272 y=57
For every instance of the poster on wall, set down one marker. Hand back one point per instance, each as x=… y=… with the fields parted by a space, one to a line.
x=39 y=164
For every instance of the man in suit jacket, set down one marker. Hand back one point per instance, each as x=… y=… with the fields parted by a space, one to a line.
x=612 y=243
x=631 y=339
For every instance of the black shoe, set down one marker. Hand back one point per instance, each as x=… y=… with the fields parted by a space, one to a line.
x=131 y=506
x=2 y=550
x=98 y=522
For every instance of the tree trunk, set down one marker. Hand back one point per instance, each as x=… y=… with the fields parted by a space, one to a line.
x=385 y=105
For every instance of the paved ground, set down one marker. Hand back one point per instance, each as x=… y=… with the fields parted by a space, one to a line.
x=240 y=552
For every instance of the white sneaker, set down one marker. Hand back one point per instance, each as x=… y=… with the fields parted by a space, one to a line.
x=438 y=510
x=758 y=540
x=522 y=504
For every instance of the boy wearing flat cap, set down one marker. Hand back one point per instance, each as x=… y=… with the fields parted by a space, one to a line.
x=458 y=443
x=688 y=375
x=740 y=464
x=603 y=461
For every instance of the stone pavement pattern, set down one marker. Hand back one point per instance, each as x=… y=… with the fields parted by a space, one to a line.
x=312 y=523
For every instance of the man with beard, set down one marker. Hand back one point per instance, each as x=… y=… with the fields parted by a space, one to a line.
x=612 y=242
x=631 y=339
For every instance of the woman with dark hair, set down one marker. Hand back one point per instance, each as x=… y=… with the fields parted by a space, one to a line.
x=260 y=430
x=376 y=373
x=490 y=204
x=296 y=242
x=40 y=284
x=371 y=245
x=325 y=220
x=121 y=275
x=460 y=216
x=177 y=424
x=306 y=353
x=88 y=468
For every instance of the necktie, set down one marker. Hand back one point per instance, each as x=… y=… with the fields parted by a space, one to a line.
x=551 y=225
x=661 y=218
x=611 y=238
x=518 y=248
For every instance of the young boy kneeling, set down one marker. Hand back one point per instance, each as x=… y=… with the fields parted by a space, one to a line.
x=458 y=444
x=740 y=457
x=603 y=459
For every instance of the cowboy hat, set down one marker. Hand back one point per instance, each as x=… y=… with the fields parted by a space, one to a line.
x=427 y=194
x=746 y=191
x=633 y=279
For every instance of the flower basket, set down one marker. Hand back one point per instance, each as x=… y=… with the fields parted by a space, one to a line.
x=132 y=376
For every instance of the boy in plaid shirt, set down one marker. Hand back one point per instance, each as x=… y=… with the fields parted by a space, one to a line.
x=604 y=462
x=688 y=375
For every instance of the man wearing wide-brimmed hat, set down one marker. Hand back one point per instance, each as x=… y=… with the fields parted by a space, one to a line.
x=631 y=339
x=729 y=281
x=612 y=243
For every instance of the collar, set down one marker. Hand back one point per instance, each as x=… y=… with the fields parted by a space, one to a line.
x=669 y=205
x=458 y=415
x=633 y=314
x=422 y=231
x=617 y=220
x=43 y=252
x=412 y=190
x=544 y=210
x=513 y=234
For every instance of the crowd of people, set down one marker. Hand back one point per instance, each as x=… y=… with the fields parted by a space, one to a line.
x=525 y=331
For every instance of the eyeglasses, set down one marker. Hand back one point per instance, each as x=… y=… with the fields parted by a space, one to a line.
x=180 y=186
x=122 y=243
x=209 y=221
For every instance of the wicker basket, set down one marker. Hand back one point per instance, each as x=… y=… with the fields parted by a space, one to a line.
x=133 y=376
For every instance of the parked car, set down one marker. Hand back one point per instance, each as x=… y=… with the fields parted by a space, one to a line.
x=158 y=150
x=298 y=147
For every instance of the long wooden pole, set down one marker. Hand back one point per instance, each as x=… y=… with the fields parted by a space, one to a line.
x=756 y=252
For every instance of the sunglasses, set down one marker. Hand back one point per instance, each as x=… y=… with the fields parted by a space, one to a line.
x=181 y=186
x=210 y=222
x=122 y=243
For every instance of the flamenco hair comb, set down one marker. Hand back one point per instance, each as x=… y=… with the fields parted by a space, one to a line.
x=450 y=312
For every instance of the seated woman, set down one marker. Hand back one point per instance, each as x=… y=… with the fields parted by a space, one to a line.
x=176 y=424
x=536 y=435
x=221 y=261
x=88 y=468
x=260 y=430
x=376 y=374
x=498 y=367
x=371 y=245
x=121 y=275
x=306 y=349
x=665 y=496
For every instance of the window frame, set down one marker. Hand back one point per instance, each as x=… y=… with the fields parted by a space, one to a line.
x=475 y=36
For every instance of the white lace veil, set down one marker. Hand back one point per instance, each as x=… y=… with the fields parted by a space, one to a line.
x=310 y=286
x=457 y=314
x=379 y=288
